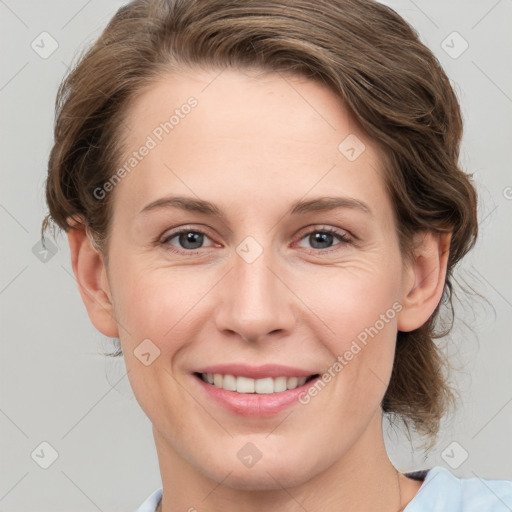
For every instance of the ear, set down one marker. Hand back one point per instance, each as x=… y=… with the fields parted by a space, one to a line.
x=424 y=279
x=91 y=277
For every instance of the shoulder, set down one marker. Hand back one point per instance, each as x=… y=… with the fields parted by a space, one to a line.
x=151 y=502
x=442 y=491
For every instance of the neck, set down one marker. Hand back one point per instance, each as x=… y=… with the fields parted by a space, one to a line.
x=363 y=479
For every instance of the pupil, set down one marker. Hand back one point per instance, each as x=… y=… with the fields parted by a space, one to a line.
x=191 y=237
x=321 y=238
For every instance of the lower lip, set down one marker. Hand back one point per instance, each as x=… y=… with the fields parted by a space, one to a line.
x=254 y=404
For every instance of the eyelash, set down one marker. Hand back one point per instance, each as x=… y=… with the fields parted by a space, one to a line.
x=344 y=240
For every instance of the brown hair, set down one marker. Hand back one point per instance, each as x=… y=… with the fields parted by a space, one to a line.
x=362 y=50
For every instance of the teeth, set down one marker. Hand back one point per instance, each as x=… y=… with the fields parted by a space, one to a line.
x=292 y=382
x=264 y=386
x=280 y=384
x=217 y=380
x=259 y=386
x=229 y=383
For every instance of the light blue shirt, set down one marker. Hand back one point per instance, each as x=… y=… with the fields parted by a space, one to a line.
x=441 y=491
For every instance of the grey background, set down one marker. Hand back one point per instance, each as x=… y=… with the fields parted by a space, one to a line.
x=57 y=387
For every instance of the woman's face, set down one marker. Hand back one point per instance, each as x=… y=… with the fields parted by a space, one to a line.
x=260 y=289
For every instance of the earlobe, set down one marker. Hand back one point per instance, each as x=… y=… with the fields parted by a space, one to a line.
x=424 y=279
x=90 y=273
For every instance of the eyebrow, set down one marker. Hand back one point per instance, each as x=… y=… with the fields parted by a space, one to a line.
x=300 y=207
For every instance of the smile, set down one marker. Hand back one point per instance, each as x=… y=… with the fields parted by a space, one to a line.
x=264 y=386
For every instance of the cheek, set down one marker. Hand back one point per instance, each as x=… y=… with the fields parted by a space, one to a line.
x=156 y=307
x=359 y=301
x=156 y=303
x=358 y=318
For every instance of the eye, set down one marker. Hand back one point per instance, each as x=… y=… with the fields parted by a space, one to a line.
x=322 y=239
x=189 y=240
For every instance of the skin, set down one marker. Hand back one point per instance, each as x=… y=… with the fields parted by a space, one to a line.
x=253 y=145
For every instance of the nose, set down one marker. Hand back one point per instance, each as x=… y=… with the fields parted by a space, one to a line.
x=256 y=301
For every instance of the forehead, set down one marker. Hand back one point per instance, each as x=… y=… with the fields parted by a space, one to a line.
x=263 y=137
x=243 y=102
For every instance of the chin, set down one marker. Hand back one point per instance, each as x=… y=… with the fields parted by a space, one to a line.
x=268 y=473
x=272 y=478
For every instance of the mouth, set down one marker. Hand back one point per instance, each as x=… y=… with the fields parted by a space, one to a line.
x=254 y=391
x=246 y=385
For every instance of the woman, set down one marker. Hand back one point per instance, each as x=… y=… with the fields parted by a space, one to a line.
x=264 y=204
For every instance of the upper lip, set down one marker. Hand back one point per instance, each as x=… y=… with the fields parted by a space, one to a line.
x=256 y=372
